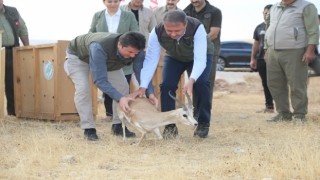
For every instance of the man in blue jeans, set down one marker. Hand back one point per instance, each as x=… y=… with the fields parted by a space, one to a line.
x=187 y=48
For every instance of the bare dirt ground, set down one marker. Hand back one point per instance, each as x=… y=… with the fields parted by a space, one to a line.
x=241 y=144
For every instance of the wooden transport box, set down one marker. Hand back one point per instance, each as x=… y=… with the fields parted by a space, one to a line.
x=42 y=88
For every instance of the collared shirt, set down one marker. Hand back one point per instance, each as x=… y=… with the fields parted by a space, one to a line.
x=113 y=21
x=210 y=16
x=147 y=21
x=154 y=50
x=310 y=17
x=258 y=35
x=98 y=68
x=159 y=13
x=284 y=5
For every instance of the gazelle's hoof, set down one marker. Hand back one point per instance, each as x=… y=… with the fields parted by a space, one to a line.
x=134 y=143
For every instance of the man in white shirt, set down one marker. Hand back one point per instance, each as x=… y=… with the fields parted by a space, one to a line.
x=184 y=39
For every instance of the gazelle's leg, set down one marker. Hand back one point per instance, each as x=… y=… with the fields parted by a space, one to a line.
x=158 y=133
x=122 y=119
x=124 y=130
x=143 y=135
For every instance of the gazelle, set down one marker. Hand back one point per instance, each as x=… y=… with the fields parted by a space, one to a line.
x=146 y=118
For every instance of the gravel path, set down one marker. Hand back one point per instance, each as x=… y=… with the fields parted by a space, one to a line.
x=233 y=77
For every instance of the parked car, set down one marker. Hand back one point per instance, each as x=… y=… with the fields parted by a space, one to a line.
x=234 y=54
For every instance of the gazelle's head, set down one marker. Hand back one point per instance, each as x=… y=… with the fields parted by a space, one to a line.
x=185 y=113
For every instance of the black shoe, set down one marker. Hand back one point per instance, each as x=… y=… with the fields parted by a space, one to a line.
x=170 y=131
x=10 y=113
x=202 y=130
x=90 y=134
x=117 y=131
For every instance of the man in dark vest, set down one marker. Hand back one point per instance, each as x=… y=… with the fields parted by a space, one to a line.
x=187 y=48
x=211 y=17
x=13 y=27
x=104 y=55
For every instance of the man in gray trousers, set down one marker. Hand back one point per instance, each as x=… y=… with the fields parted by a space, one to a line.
x=291 y=39
x=104 y=55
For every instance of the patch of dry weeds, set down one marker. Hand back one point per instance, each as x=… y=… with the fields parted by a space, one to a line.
x=241 y=145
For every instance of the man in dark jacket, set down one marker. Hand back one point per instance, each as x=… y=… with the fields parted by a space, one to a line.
x=13 y=27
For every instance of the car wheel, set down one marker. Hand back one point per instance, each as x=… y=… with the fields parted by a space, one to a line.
x=221 y=64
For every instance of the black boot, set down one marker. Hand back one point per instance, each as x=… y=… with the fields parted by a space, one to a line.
x=202 y=130
x=90 y=134
x=170 y=131
x=117 y=131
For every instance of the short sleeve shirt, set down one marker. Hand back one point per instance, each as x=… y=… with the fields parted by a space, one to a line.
x=209 y=16
x=258 y=35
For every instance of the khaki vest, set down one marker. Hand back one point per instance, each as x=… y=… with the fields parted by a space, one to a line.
x=287 y=29
x=80 y=47
x=182 y=50
x=12 y=16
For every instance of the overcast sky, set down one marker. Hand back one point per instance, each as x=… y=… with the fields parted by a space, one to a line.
x=65 y=19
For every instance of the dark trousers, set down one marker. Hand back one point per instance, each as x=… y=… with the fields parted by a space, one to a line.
x=9 y=90
x=262 y=69
x=212 y=79
x=108 y=100
x=171 y=73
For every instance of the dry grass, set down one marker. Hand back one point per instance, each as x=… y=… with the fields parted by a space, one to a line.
x=241 y=145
